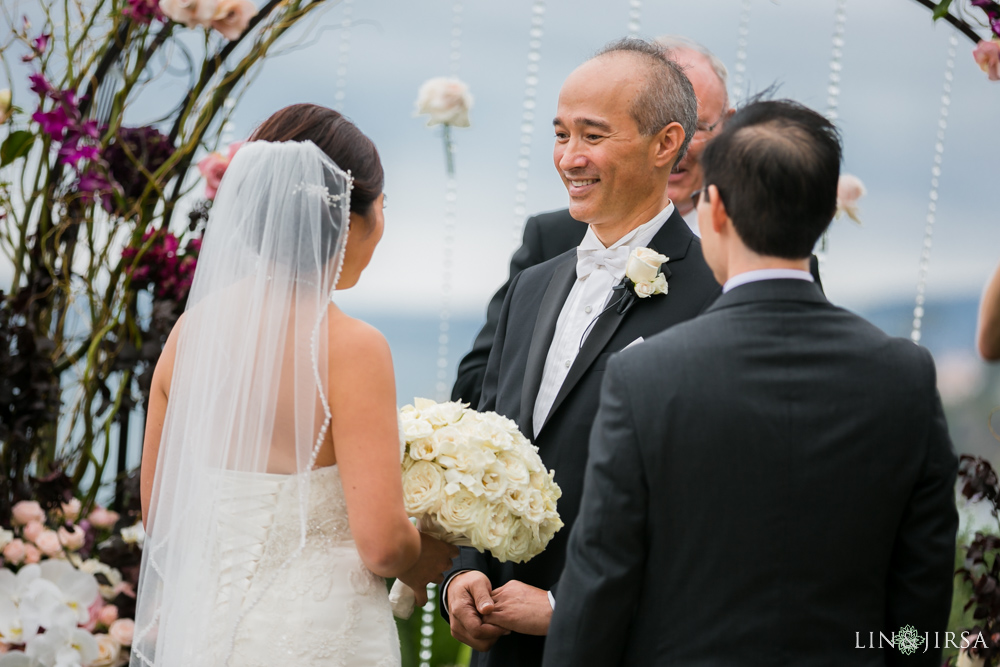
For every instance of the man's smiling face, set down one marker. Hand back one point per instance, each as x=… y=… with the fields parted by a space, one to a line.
x=605 y=163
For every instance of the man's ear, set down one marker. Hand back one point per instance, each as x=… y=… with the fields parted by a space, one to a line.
x=668 y=143
x=719 y=216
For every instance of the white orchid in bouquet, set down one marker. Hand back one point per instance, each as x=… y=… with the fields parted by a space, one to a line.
x=61 y=603
x=472 y=479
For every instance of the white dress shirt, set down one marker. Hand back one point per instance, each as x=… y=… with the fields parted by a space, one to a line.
x=586 y=301
x=691 y=218
x=765 y=274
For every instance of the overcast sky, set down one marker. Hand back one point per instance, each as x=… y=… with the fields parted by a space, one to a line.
x=893 y=67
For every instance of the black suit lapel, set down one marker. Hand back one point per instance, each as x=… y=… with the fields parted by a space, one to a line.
x=672 y=240
x=541 y=339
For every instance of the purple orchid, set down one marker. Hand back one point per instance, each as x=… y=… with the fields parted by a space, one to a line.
x=38 y=47
x=132 y=147
x=143 y=11
x=39 y=84
x=169 y=273
x=73 y=154
x=54 y=123
x=93 y=185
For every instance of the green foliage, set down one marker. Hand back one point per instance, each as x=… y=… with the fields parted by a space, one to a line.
x=15 y=146
x=942 y=9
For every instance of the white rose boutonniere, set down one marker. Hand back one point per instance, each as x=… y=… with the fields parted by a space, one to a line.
x=643 y=269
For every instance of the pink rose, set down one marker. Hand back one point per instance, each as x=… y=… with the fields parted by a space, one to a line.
x=71 y=510
x=107 y=615
x=213 y=167
x=32 y=554
x=33 y=530
x=15 y=552
x=103 y=519
x=72 y=539
x=181 y=11
x=987 y=55
x=121 y=631
x=27 y=511
x=49 y=543
x=232 y=18
x=94 y=610
x=849 y=190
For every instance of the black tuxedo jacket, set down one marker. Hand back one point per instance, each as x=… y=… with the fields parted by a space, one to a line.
x=766 y=484
x=546 y=235
x=526 y=326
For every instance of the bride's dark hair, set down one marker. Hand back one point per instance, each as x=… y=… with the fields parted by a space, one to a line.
x=336 y=136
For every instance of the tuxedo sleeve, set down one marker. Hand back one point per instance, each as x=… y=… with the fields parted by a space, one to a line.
x=605 y=561
x=921 y=573
x=469 y=558
x=472 y=368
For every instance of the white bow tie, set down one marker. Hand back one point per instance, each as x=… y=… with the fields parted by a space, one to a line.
x=612 y=259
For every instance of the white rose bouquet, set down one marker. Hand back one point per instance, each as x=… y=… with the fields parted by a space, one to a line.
x=472 y=479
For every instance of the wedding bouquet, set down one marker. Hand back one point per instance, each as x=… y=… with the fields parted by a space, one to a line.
x=472 y=479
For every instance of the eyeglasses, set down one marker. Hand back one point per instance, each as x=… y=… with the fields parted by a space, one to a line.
x=702 y=130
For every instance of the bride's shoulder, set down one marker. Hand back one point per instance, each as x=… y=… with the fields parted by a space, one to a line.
x=354 y=340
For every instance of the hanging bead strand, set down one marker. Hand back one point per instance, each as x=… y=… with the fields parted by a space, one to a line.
x=344 y=58
x=528 y=105
x=925 y=252
x=833 y=94
x=634 y=17
x=426 y=653
x=739 y=77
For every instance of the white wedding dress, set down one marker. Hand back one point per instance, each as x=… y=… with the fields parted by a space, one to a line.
x=320 y=607
x=243 y=568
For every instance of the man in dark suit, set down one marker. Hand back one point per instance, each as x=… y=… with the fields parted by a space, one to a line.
x=772 y=481
x=551 y=234
x=623 y=119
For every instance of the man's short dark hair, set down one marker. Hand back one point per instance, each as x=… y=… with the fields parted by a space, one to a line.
x=667 y=95
x=776 y=164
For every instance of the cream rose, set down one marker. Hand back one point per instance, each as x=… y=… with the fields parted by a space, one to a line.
x=134 y=534
x=643 y=265
x=71 y=510
x=849 y=190
x=5 y=105
x=460 y=512
x=422 y=488
x=122 y=631
x=518 y=544
x=493 y=529
x=27 y=511
x=517 y=472
x=495 y=481
x=516 y=499
x=183 y=11
x=446 y=101
x=108 y=651
x=6 y=537
x=416 y=428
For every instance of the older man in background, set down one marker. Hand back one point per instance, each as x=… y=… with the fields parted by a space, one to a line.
x=550 y=234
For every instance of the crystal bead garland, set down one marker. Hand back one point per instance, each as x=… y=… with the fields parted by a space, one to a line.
x=528 y=104
x=925 y=253
x=833 y=94
x=448 y=243
x=741 y=52
x=345 y=55
x=634 y=17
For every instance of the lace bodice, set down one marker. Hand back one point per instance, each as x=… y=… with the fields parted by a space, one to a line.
x=306 y=602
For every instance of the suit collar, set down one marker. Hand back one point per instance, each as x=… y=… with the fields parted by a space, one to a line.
x=770 y=290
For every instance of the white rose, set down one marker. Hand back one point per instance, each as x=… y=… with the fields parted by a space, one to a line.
x=519 y=543
x=425 y=449
x=456 y=479
x=415 y=428
x=660 y=284
x=516 y=499
x=548 y=528
x=643 y=290
x=517 y=472
x=495 y=481
x=108 y=651
x=135 y=534
x=446 y=100
x=643 y=265
x=71 y=510
x=460 y=512
x=492 y=530
x=422 y=488
x=537 y=508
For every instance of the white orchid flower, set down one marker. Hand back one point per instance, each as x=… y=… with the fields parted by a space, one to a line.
x=18 y=659
x=63 y=646
x=79 y=590
x=11 y=629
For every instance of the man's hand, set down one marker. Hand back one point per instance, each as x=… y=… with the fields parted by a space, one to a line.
x=435 y=559
x=519 y=607
x=469 y=600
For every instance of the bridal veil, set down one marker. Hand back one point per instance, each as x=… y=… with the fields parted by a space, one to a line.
x=247 y=395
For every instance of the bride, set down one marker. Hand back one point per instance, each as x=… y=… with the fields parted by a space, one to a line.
x=271 y=483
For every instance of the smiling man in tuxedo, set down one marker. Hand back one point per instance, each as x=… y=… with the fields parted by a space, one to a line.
x=624 y=118
x=793 y=485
